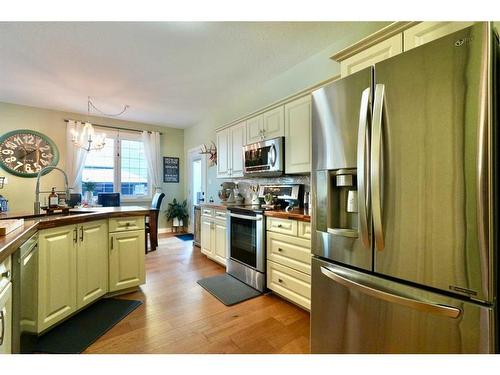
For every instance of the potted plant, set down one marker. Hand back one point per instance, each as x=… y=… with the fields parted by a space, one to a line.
x=89 y=187
x=177 y=212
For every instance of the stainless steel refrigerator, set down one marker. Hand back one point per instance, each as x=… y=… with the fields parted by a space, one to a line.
x=405 y=205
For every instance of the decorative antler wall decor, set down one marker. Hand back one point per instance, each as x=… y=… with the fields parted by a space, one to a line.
x=211 y=151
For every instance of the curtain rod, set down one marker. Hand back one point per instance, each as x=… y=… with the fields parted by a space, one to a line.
x=112 y=127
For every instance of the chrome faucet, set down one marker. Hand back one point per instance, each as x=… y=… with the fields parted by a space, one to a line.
x=37 y=190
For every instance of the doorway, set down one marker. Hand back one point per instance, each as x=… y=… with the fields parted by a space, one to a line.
x=196 y=184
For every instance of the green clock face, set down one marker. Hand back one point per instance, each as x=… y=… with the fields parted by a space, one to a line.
x=25 y=152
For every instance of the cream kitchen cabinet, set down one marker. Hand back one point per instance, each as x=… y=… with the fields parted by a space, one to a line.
x=372 y=55
x=298 y=136
x=268 y=125
x=92 y=262
x=289 y=260
x=426 y=32
x=5 y=307
x=214 y=234
x=57 y=278
x=72 y=270
x=126 y=257
x=230 y=142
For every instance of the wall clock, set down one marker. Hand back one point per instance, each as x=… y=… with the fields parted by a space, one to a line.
x=25 y=152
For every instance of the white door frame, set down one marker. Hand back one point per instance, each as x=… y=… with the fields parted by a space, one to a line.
x=193 y=154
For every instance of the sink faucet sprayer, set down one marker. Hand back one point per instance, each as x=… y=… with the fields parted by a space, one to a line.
x=37 y=190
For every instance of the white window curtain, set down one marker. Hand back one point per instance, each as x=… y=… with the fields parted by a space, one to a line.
x=75 y=157
x=153 y=158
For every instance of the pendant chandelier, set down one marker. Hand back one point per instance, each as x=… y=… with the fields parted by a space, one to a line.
x=88 y=139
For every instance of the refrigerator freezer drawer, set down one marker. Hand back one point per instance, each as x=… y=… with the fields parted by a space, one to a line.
x=353 y=312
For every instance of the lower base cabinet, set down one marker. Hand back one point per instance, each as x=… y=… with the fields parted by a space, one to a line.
x=6 y=319
x=57 y=264
x=92 y=262
x=126 y=260
x=214 y=235
x=289 y=260
x=77 y=264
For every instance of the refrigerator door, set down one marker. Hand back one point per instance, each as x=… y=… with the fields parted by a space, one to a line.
x=352 y=312
x=340 y=191
x=431 y=165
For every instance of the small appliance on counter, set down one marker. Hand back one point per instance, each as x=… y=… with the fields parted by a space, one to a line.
x=226 y=193
x=284 y=196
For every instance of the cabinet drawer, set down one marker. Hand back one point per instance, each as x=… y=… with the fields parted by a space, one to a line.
x=207 y=212
x=289 y=251
x=121 y=224
x=284 y=226
x=5 y=273
x=304 y=230
x=220 y=214
x=293 y=285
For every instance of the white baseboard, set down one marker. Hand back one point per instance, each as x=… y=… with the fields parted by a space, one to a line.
x=165 y=230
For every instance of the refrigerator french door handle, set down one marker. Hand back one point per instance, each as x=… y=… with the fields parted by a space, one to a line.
x=363 y=150
x=376 y=166
x=423 y=306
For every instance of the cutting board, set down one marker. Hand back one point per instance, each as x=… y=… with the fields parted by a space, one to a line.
x=8 y=225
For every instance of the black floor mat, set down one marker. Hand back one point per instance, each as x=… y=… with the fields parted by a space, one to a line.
x=78 y=332
x=185 y=236
x=228 y=289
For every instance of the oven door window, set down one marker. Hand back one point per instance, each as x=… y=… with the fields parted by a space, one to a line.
x=244 y=241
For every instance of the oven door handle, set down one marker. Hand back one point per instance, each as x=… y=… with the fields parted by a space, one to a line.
x=254 y=218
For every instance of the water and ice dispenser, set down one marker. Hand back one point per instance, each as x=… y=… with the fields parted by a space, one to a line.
x=343 y=210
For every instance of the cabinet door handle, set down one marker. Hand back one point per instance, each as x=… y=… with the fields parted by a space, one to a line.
x=6 y=274
x=75 y=235
x=2 y=318
x=112 y=242
x=81 y=233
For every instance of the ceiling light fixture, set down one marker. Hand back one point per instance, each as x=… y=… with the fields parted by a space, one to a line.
x=88 y=139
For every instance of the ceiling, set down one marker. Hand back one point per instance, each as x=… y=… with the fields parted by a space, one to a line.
x=170 y=73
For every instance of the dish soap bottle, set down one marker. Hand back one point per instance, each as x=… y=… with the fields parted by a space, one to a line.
x=53 y=199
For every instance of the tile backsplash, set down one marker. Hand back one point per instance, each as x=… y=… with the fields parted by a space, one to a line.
x=245 y=184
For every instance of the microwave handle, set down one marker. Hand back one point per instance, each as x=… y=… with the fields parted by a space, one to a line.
x=273 y=152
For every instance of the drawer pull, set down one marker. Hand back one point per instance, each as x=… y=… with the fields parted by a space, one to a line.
x=279 y=225
x=6 y=274
x=280 y=249
x=127 y=224
x=280 y=280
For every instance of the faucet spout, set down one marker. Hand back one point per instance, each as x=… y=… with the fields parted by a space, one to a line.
x=37 y=189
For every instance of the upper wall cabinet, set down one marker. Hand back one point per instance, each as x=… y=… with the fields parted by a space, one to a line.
x=372 y=55
x=298 y=136
x=230 y=142
x=426 y=32
x=268 y=125
x=407 y=38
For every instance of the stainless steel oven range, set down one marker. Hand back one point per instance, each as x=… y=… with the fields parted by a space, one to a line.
x=247 y=250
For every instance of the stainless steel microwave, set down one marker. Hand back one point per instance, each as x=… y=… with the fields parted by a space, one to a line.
x=264 y=158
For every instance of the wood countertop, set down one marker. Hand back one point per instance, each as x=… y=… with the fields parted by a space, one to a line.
x=295 y=214
x=10 y=242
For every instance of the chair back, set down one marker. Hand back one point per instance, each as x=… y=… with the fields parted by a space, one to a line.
x=108 y=199
x=157 y=199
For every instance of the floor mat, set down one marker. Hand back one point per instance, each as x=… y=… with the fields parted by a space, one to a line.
x=78 y=332
x=185 y=236
x=227 y=289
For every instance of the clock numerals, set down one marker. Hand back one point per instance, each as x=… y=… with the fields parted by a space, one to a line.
x=26 y=152
x=19 y=164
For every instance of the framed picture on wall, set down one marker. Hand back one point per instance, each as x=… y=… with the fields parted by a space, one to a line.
x=170 y=169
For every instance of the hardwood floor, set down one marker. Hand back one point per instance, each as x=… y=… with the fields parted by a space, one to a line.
x=179 y=316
